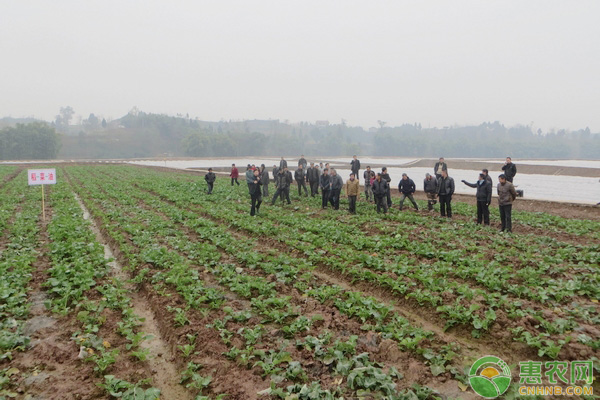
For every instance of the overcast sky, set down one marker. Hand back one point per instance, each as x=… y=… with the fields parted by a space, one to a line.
x=434 y=62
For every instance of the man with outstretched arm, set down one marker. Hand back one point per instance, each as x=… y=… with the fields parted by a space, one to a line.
x=484 y=198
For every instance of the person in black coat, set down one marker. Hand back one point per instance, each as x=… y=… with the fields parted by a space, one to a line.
x=380 y=188
x=282 y=182
x=282 y=163
x=255 y=193
x=407 y=187
x=210 y=178
x=510 y=169
x=312 y=175
x=264 y=180
x=386 y=177
x=484 y=198
x=355 y=166
x=445 y=192
x=325 y=185
x=430 y=189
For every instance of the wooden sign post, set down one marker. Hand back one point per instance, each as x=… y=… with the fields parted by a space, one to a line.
x=42 y=177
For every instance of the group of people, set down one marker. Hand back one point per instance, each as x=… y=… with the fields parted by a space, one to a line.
x=321 y=177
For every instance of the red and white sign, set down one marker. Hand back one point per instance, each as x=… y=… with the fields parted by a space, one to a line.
x=41 y=176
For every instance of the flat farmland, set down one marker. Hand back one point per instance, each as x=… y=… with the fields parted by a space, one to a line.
x=139 y=285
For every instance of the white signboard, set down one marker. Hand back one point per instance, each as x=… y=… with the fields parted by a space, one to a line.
x=41 y=176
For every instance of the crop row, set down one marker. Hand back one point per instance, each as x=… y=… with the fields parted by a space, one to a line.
x=244 y=285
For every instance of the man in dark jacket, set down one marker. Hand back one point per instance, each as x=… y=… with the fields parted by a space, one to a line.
x=355 y=166
x=407 y=187
x=300 y=178
x=302 y=161
x=367 y=181
x=445 y=192
x=264 y=180
x=439 y=167
x=510 y=169
x=386 y=177
x=337 y=183
x=313 y=179
x=380 y=188
x=487 y=176
x=484 y=198
x=255 y=193
x=282 y=181
x=506 y=195
x=282 y=163
x=325 y=185
x=430 y=189
x=210 y=178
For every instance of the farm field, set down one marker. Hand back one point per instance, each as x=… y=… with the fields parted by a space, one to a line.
x=138 y=285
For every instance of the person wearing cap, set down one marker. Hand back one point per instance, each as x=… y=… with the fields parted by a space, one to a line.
x=439 y=167
x=352 y=189
x=380 y=188
x=210 y=178
x=445 y=190
x=325 y=185
x=484 y=198
x=264 y=180
x=234 y=175
x=367 y=180
x=300 y=177
x=510 y=169
x=430 y=189
x=506 y=195
x=386 y=177
x=407 y=187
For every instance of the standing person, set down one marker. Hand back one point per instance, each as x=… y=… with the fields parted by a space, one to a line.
x=510 y=169
x=288 y=179
x=445 y=192
x=300 y=177
x=324 y=184
x=430 y=189
x=337 y=183
x=386 y=177
x=367 y=180
x=439 y=167
x=407 y=187
x=255 y=193
x=484 y=198
x=282 y=163
x=234 y=175
x=355 y=166
x=487 y=176
x=264 y=180
x=313 y=179
x=282 y=184
x=380 y=188
x=275 y=172
x=210 y=178
x=249 y=174
x=352 y=189
x=506 y=195
x=302 y=161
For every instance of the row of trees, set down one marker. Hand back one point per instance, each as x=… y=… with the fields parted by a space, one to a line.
x=34 y=141
x=140 y=134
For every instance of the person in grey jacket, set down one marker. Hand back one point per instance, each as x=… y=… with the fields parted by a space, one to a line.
x=430 y=189
x=337 y=183
x=445 y=191
x=506 y=195
x=367 y=180
x=264 y=179
x=484 y=198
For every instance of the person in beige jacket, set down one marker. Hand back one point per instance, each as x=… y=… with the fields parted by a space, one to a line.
x=352 y=189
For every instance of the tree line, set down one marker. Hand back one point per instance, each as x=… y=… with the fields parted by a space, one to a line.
x=140 y=134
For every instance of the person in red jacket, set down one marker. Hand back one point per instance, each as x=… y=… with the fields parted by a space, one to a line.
x=234 y=174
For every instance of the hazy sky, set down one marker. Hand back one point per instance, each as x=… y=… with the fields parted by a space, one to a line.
x=434 y=62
